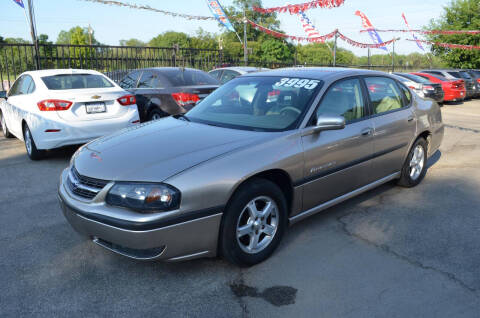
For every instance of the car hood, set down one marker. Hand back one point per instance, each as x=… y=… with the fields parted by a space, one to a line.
x=157 y=150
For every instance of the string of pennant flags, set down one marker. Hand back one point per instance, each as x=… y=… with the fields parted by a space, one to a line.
x=298 y=9
x=449 y=45
x=439 y=32
x=321 y=38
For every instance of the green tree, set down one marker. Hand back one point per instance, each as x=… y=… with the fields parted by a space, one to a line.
x=132 y=42
x=77 y=36
x=458 y=15
x=235 y=13
x=169 y=39
x=274 y=50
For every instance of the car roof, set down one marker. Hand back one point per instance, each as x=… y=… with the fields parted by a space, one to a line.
x=52 y=72
x=242 y=69
x=319 y=73
x=167 y=69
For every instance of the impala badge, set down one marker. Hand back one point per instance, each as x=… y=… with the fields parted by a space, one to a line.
x=96 y=97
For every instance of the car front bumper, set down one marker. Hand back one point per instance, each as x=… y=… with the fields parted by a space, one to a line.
x=173 y=239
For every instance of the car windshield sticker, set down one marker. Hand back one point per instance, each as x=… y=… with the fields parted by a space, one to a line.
x=297 y=83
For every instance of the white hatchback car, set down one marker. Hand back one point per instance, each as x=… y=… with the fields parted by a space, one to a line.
x=54 y=108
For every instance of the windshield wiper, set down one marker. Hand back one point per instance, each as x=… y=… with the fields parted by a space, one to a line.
x=181 y=116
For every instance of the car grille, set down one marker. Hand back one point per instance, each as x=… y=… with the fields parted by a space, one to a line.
x=83 y=186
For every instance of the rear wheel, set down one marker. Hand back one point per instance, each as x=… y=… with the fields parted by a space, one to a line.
x=156 y=114
x=253 y=223
x=32 y=151
x=6 y=132
x=415 y=166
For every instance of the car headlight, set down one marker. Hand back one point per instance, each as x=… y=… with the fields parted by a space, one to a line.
x=144 y=197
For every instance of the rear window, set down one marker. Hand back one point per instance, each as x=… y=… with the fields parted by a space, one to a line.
x=76 y=81
x=440 y=77
x=415 y=78
x=465 y=75
x=455 y=74
x=180 y=77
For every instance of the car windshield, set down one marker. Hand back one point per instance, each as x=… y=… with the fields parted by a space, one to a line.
x=76 y=81
x=186 y=77
x=257 y=103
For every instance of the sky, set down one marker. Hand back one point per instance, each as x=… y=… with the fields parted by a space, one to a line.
x=112 y=24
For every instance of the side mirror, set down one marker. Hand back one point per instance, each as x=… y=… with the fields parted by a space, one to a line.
x=329 y=122
x=3 y=94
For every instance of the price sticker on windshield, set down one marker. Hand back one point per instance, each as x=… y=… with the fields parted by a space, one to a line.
x=297 y=83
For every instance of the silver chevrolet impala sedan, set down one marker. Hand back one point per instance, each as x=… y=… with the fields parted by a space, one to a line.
x=258 y=154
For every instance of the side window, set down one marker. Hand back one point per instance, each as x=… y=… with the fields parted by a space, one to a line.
x=407 y=93
x=216 y=74
x=228 y=75
x=145 y=80
x=16 y=87
x=384 y=94
x=25 y=86
x=32 y=87
x=130 y=81
x=150 y=79
x=344 y=98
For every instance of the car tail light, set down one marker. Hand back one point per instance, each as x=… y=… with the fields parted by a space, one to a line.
x=53 y=105
x=184 y=99
x=127 y=100
x=478 y=80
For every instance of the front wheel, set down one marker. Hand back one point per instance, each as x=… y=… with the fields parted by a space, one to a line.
x=6 y=132
x=253 y=223
x=415 y=167
x=32 y=151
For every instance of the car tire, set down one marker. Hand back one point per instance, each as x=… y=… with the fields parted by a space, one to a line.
x=415 y=167
x=30 y=146
x=6 y=132
x=259 y=236
x=156 y=114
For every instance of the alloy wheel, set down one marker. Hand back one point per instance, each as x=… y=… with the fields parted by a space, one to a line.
x=417 y=162
x=257 y=224
x=4 y=125
x=28 y=140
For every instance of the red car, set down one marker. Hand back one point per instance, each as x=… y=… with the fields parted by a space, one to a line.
x=454 y=89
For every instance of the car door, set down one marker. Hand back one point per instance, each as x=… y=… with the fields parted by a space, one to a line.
x=338 y=161
x=394 y=123
x=18 y=101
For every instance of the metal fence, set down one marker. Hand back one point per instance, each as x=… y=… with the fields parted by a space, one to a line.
x=116 y=61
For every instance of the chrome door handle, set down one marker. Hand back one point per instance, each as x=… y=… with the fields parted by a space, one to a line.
x=410 y=118
x=367 y=131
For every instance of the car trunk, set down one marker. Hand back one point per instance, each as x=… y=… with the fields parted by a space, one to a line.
x=91 y=104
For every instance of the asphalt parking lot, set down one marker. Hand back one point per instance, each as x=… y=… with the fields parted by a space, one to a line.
x=391 y=252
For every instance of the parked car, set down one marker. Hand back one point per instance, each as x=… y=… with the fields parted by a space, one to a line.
x=475 y=75
x=54 y=108
x=230 y=175
x=226 y=74
x=423 y=87
x=165 y=91
x=453 y=74
x=454 y=89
